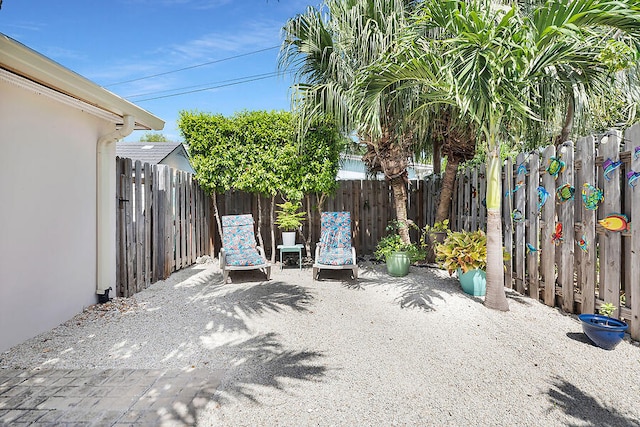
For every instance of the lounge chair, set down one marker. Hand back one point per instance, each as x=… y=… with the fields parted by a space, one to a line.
x=239 y=248
x=334 y=251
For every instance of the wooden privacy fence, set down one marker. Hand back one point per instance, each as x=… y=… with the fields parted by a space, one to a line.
x=162 y=223
x=585 y=264
x=370 y=204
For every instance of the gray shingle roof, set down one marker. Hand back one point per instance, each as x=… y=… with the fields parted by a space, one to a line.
x=147 y=152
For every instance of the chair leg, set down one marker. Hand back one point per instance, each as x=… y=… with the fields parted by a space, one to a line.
x=225 y=276
x=268 y=272
x=355 y=273
x=315 y=273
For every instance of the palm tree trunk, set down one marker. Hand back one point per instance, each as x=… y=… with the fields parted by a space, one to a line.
x=437 y=158
x=495 y=298
x=446 y=190
x=568 y=123
x=400 y=201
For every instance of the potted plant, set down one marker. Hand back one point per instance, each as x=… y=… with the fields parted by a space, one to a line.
x=432 y=235
x=289 y=219
x=465 y=252
x=601 y=329
x=397 y=254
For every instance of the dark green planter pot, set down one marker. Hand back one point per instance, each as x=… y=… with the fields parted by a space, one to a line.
x=398 y=264
x=473 y=282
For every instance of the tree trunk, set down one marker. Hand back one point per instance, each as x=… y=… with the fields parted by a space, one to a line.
x=400 y=201
x=273 y=229
x=568 y=123
x=437 y=158
x=308 y=237
x=260 y=240
x=217 y=214
x=446 y=190
x=495 y=298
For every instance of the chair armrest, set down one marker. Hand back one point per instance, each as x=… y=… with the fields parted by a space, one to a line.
x=353 y=255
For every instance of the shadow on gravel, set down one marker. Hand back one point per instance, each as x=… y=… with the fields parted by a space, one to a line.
x=584 y=408
x=268 y=296
x=263 y=361
x=416 y=290
x=580 y=337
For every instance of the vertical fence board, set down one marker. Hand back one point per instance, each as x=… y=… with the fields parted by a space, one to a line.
x=533 y=226
x=567 y=244
x=482 y=193
x=633 y=287
x=547 y=225
x=139 y=224
x=507 y=227
x=587 y=259
x=519 y=198
x=611 y=240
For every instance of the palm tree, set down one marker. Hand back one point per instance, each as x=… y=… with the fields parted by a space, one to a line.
x=329 y=48
x=489 y=67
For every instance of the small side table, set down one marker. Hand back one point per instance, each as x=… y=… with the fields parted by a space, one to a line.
x=293 y=249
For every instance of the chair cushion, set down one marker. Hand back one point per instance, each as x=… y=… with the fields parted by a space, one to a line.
x=335 y=256
x=238 y=232
x=335 y=229
x=243 y=257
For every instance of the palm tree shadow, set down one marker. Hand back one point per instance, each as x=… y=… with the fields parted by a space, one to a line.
x=268 y=297
x=263 y=361
x=419 y=290
x=579 y=405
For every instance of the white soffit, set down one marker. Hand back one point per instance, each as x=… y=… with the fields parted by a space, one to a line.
x=20 y=60
x=57 y=96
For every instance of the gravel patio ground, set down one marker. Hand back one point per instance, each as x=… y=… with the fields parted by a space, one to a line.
x=381 y=351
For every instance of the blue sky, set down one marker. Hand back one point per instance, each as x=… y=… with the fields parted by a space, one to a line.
x=115 y=41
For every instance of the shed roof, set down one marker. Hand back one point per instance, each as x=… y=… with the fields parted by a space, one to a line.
x=25 y=62
x=148 y=152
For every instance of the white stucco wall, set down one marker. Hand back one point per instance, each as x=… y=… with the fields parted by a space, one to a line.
x=47 y=212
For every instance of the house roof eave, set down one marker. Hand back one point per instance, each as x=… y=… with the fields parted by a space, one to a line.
x=23 y=61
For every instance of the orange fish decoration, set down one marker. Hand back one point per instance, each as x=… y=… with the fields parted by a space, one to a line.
x=615 y=222
x=557 y=236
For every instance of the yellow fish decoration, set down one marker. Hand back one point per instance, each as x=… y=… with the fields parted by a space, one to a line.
x=615 y=222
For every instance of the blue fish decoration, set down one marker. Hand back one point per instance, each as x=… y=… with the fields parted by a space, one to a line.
x=609 y=166
x=633 y=177
x=531 y=248
x=543 y=195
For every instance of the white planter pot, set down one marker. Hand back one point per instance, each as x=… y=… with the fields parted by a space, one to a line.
x=288 y=238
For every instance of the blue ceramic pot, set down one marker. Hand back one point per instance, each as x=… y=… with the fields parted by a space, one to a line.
x=605 y=332
x=473 y=282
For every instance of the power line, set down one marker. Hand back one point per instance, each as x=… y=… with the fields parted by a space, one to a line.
x=193 y=66
x=209 y=88
x=270 y=74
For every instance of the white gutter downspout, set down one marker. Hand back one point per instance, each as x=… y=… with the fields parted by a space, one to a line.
x=106 y=207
